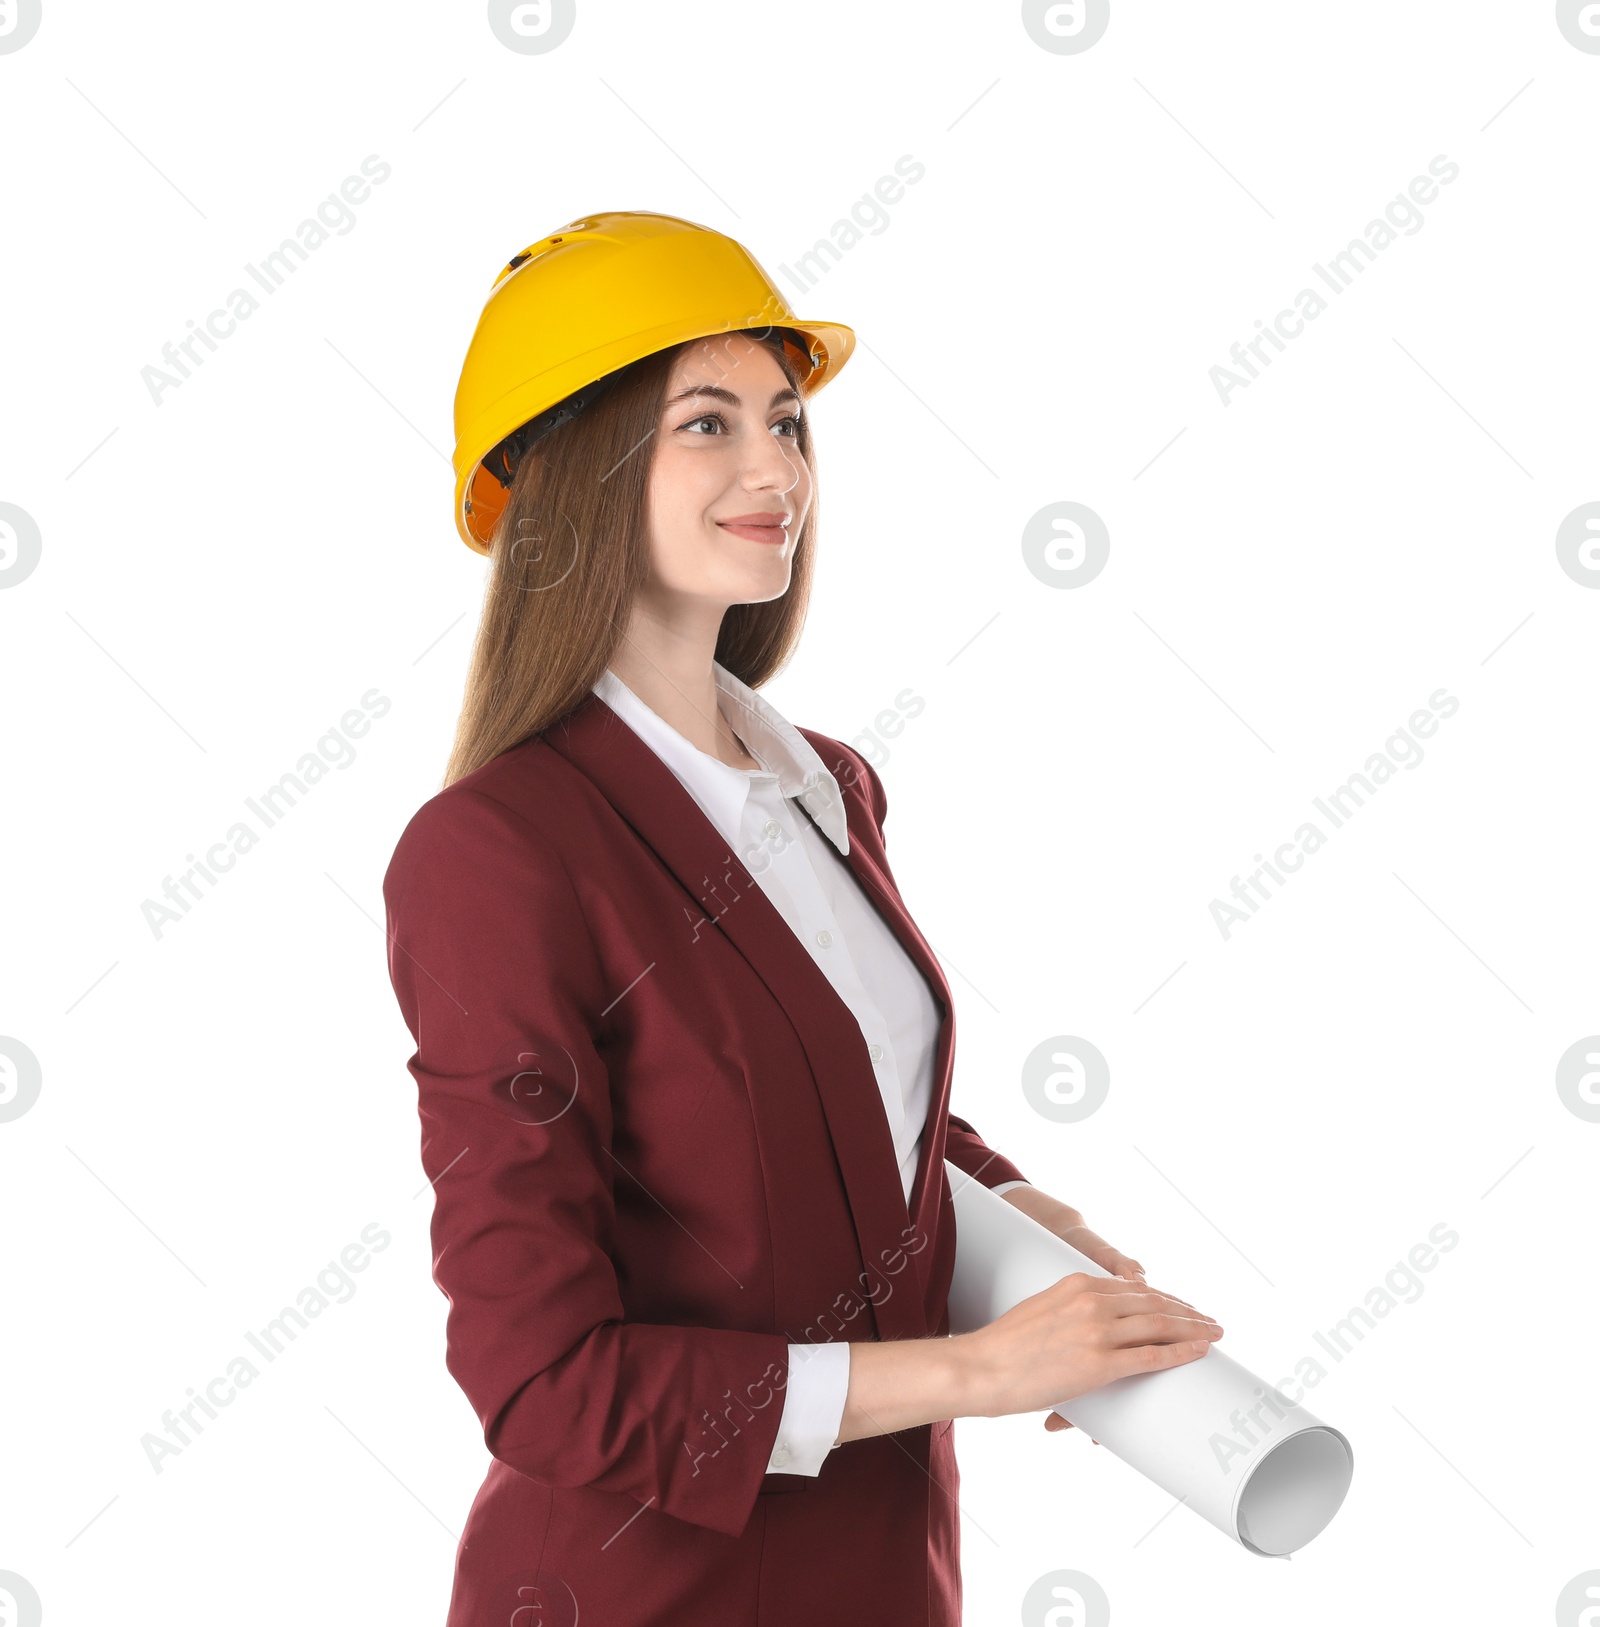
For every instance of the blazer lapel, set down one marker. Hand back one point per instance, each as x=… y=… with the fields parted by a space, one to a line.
x=649 y=797
x=875 y=881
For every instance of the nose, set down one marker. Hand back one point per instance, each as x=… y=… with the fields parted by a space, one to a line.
x=773 y=464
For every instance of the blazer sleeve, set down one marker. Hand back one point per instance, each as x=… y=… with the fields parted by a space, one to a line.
x=499 y=981
x=969 y=1152
x=963 y=1146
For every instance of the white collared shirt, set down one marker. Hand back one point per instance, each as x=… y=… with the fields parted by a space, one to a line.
x=816 y=893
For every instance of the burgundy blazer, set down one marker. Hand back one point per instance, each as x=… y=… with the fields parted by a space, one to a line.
x=659 y=1155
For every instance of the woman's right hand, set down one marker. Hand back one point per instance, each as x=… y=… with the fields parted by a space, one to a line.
x=1079 y=1333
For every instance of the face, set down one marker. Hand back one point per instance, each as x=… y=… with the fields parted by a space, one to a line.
x=728 y=486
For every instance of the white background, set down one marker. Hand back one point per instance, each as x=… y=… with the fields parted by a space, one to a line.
x=224 y=575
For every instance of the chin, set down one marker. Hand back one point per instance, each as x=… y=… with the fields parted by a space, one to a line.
x=757 y=586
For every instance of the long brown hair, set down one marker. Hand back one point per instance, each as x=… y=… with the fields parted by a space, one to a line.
x=569 y=555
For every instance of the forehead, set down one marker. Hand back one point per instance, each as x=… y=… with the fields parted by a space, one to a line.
x=725 y=358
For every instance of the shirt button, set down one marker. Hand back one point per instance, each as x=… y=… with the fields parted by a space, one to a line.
x=824 y=938
x=875 y=1052
x=781 y=1456
x=773 y=828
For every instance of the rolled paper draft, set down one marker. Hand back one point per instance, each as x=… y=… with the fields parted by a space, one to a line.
x=1233 y=1448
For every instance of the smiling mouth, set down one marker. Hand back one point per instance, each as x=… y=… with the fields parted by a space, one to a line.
x=773 y=530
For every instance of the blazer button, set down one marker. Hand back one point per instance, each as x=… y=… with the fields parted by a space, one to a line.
x=824 y=938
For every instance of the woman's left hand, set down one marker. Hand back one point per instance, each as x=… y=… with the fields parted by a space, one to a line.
x=1101 y=1252
x=1067 y=1223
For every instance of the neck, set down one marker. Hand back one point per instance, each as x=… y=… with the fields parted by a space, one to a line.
x=667 y=662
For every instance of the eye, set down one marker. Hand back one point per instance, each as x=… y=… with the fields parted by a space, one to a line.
x=705 y=418
x=792 y=424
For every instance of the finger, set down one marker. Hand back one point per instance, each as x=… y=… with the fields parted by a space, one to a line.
x=1121 y=1285
x=1053 y=1421
x=1154 y=1298
x=1153 y=1358
x=1162 y=1328
x=1143 y=1296
x=1115 y=1284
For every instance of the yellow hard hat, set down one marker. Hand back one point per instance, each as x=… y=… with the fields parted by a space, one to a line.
x=590 y=298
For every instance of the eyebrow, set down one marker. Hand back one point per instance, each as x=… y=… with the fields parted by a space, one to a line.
x=717 y=393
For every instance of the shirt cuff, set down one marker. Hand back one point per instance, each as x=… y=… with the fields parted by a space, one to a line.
x=813 y=1408
x=1005 y=1186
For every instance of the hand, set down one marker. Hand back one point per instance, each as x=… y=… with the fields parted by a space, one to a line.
x=1080 y=1333
x=1101 y=1252
x=1108 y=1258
x=1067 y=1224
x=1102 y=1255
x=1054 y=1422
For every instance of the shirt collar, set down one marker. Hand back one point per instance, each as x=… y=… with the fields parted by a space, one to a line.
x=717 y=787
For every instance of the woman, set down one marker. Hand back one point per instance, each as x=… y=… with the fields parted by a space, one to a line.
x=683 y=1058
